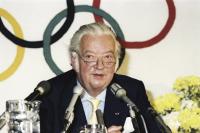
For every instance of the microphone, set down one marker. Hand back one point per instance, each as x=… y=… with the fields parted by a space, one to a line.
x=119 y=92
x=76 y=93
x=69 y=115
x=161 y=124
x=42 y=88
x=99 y=115
x=100 y=120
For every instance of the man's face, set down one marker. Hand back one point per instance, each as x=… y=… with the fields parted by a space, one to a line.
x=96 y=75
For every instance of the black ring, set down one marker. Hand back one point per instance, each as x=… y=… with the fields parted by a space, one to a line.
x=39 y=44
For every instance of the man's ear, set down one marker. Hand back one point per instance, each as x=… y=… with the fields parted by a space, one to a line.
x=75 y=61
x=117 y=65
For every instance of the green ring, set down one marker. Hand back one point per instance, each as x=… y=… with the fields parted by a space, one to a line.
x=63 y=14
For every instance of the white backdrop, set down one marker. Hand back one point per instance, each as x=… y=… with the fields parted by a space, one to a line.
x=158 y=66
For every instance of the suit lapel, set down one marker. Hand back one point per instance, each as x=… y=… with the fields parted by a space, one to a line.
x=79 y=117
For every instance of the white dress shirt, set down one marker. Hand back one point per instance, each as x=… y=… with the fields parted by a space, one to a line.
x=87 y=106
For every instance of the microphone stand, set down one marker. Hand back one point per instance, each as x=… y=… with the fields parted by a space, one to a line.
x=69 y=117
x=159 y=121
x=132 y=109
x=133 y=118
x=69 y=114
x=2 y=120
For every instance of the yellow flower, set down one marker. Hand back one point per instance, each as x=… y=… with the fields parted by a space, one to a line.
x=182 y=83
x=167 y=103
x=190 y=119
x=189 y=86
x=180 y=110
x=174 y=130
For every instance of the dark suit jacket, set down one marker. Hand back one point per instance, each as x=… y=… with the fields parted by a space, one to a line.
x=53 y=105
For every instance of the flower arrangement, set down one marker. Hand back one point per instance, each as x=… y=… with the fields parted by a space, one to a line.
x=181 y=109
x=167 y=103
x=189 y=87
x=189 y=120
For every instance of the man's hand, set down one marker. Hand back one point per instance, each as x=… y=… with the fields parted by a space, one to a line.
x=115 y=129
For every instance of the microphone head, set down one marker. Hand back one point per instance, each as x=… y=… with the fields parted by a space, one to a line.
x=43 y=87
x=99 y=115
x=78 y=90
x=117 y=90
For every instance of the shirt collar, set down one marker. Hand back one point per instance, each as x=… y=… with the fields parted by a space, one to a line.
x=86 y=96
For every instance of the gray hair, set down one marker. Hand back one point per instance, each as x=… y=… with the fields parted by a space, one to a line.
x=93 y=29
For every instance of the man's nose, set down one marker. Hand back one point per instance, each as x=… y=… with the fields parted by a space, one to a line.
x=99 y=64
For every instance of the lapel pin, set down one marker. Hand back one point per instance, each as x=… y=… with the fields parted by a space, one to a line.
x=117 y=113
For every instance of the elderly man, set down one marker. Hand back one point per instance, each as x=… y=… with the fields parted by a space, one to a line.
x=94 y=53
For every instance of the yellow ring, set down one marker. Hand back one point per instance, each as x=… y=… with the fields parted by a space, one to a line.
x=20 y=50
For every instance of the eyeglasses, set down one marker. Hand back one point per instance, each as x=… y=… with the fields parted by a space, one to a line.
x=91 y=60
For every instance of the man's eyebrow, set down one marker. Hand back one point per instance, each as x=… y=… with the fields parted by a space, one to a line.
x=89 y=51
x=110 y=51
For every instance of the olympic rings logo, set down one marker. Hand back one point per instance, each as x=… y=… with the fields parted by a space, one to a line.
x=68 y=13
x=20 y=51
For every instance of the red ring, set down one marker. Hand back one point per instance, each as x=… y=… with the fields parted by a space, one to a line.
x=153 y=40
